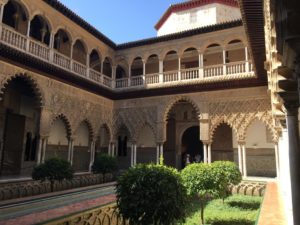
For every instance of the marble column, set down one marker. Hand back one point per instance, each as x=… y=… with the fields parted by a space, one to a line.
x=294 y=155
x=161 y=150
x=132 y=155
x=44 y=148
x=205 y=153
x=1 y=12
x=161 y=71
x=70 y=150
x=92 y=155
x=39 y=151
x=201 y=74
x=179 y=68
x=244 y=160
x=240 y=157
x=277 y=160
x=157 y=153
x=209 y=153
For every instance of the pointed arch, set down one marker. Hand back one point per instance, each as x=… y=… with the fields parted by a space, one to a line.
x=89 y=126
x=32 y=83
x=218 y=123
x=20 y=23
x=173 y=102
x=66 y=122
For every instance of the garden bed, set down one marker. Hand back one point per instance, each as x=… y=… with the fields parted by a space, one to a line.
x=236 y=210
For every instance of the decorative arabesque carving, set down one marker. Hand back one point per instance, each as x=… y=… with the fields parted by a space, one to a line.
x=240 y=114
x=134 y=119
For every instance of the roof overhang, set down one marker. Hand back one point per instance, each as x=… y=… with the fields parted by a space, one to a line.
x=253 y=19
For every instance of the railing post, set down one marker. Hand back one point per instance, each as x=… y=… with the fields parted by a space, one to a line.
x=161 y=69
x=201 y=71
x=224 y=62
x=179 y=68
x=247 y=60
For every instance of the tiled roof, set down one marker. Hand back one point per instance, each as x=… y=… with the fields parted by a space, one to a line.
x=190 y=5
x=183 y=34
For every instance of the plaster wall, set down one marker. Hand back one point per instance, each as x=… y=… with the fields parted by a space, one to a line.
x=198 y=17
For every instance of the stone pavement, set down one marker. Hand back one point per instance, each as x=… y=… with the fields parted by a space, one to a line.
x=272 y=211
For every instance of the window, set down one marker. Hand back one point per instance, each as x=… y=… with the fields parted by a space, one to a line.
x=193 y=17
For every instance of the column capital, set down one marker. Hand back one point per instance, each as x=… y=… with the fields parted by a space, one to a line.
x=241 y=142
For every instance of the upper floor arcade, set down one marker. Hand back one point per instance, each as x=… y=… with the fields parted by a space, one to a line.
x=210 y=54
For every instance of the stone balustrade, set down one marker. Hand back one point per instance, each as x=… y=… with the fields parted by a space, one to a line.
x=233 y=70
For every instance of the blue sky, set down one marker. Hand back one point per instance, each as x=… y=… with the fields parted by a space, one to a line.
x=121 y=20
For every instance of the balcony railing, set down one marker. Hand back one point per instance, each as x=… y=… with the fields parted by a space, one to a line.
x=214 y=73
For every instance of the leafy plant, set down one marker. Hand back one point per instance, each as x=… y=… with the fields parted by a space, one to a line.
x=151 y=195
x=54 y=169
x=232 y=175
x=105 y=163
x=203 y=181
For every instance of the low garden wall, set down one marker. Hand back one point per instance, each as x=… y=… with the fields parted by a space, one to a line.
x=32 y=187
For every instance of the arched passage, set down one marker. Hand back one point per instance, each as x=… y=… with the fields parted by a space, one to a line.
x=79 y=52
x=40 y=29
x=15 y=16
x=146 y=146
x=137 y=67
x=107 y=67
x=120 y=72
x=123 y=147
x=260 y=153
x=152 y=65
x=181 y=116
x=213 y=60
x=58 y=141
x=191 y=146
x=103 y=140
x=171 y=62
x=82 y=148
x=19 y=127
x=62 y=42
x=95 y=61
x=222 y=148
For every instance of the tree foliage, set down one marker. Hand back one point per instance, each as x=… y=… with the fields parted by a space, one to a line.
x=204 y=181
x=54 y=169
x=232 y=175
x=105 y=163
x=151 y=195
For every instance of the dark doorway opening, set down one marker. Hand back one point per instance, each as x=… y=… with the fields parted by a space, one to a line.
x=192 y=147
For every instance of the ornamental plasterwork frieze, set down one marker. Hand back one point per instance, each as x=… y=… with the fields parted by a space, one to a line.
x=134 y=119
x=240 y=114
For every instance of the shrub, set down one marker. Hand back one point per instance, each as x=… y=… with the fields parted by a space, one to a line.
x=151 y=194
x=204 y=181
x=54 y=169
x=105 y=163
x=232 y=175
